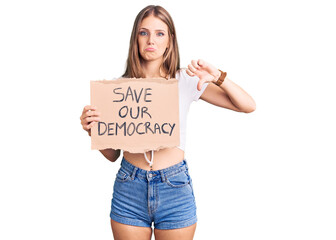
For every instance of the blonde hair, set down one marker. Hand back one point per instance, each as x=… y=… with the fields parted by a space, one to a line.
x=171 y=57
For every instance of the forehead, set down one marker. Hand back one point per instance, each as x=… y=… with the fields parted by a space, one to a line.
x=153 y=23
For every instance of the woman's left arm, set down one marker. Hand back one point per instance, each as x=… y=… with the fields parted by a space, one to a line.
x=228 y=95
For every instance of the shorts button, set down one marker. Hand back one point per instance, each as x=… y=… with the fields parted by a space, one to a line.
x=150 y=175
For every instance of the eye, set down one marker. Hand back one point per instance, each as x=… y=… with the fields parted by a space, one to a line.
x=161 y=34
x=142 y=33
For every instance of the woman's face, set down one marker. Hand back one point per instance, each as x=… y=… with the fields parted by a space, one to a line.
x=152 y=38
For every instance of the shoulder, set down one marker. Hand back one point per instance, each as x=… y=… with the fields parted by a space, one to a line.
x=181 y=73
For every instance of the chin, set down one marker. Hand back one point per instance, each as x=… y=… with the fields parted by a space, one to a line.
x=147 y=58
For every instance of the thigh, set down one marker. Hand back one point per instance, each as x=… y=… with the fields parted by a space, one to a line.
x=186 y=233
x=129 y=232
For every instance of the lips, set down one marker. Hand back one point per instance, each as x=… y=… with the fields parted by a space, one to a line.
x=150 y=49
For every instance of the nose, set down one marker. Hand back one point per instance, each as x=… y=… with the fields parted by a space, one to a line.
x=150 y=39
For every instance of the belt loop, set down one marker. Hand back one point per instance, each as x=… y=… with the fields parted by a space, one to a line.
x=163 y=177
x=186 y=164
x=134 y=172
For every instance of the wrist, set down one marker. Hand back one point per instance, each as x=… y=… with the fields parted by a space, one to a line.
x=221 y=77
x=217 y=75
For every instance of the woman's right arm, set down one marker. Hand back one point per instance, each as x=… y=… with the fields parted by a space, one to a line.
x=89 y=117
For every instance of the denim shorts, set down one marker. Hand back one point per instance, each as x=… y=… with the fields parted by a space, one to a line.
x=165 y=197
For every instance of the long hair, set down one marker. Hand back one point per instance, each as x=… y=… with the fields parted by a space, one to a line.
x=171 y=57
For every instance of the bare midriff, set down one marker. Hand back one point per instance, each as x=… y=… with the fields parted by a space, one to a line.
x=163 y=158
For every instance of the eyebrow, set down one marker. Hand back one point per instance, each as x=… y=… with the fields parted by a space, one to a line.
x=155 y=30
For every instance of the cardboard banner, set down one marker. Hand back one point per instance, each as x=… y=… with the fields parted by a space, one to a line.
x=137 y=114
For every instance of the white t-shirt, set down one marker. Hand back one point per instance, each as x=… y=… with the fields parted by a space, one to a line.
x=187 y=94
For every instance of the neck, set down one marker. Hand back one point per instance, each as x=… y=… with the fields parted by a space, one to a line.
x=152 y=69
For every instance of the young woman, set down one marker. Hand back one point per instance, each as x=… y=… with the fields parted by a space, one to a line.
x=161 y=191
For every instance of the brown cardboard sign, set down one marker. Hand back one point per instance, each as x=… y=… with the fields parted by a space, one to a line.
x=137 y=114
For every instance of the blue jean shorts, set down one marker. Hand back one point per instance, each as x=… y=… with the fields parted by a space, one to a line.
x=164 y=197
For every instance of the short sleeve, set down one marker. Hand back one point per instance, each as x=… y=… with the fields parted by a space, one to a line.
x=192 y=86
x=199 y=93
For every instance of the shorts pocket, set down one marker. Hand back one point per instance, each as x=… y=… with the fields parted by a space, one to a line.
x=122 y=175
x=178 y=180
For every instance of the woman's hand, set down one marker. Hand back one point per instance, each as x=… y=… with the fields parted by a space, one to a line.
x=89 y=117
x=205 y=71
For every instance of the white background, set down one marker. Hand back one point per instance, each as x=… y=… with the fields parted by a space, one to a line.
x=266 y=175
